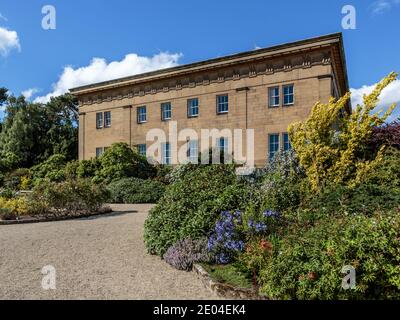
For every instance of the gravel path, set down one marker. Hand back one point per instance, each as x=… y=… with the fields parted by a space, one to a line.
x=95 y=258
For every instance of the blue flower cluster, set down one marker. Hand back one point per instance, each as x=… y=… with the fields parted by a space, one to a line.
x=225 y=240
x=257 y=227
x=271 y=214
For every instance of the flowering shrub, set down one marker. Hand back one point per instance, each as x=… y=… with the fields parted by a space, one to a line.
x=185 y=252
x=226 y=241
x=234 y=229
x=14 y=206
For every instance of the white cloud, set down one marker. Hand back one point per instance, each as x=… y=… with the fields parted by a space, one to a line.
x=390 y=95
x=99 y=70
x=29 y=93
x=8 y=41
x=381 y=6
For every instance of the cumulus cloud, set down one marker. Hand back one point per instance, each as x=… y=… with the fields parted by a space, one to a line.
x=29 y=92
x=8 y=40
x=390 y=95
x=99 y=70
x=381 y=6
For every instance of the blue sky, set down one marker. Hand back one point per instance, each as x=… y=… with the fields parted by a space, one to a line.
x=166 y=33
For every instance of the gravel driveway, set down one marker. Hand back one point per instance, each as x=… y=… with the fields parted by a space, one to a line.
x=95 y=258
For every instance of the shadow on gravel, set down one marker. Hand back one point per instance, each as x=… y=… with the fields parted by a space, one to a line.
x=109 y=215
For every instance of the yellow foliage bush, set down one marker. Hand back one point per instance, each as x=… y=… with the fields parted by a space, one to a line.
x=15 y=205
x=332 y=144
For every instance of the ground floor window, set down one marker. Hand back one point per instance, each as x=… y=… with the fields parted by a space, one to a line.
x=273 y=145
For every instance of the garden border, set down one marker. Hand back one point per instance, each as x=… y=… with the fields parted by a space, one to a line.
x=54 y=219
x=225 y=290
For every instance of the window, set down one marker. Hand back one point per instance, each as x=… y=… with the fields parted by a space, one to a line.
x=286 y=142
x=288 y=95
x=166 y=153
x=166 y=111
x=107 y=119
x=193 y=151
x=193 y=108
x=223 y=145
x=273 y=97
x=99 y=120
x=141 y=114
x=273 y=145
x=141 y=149
x=99 y=152
x=222 y=104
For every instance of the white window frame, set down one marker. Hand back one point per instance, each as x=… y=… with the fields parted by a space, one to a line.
x=166 y=153
x=221 y=106
x=272 y=96
x=107 y=120
x=140 y=114
x=289 y=94
x=166 y=114
x=192 y=107
x=272 y=154
x=99 y=152
x=99 y=120
x=193 y=151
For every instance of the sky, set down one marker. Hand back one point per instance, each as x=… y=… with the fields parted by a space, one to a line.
x=101 y=40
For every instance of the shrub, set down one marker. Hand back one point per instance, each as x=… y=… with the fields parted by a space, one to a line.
x=307 y=263
x=183 y=254
x=385 y=135
x=15 y=206
x=88 y=168
x=14 y=179
x=332 y=144
x=7 y=214
x=282 y=182
x=52 y=169
x=68 y=198
x=121 y=161
x=191 y=205
x=135 y=190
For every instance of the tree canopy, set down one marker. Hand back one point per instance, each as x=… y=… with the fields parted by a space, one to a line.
x=32 y=132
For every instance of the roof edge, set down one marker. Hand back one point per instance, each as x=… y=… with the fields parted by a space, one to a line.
x=182 y=68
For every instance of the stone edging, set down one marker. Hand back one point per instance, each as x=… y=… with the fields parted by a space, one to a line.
x=51 y=219
x=225 y=290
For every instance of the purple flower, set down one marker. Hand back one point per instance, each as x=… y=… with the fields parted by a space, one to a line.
x=270 y=213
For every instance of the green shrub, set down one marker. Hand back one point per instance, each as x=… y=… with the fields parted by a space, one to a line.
x=135 y=190
x=121 y=161
x=87 y=168
x=68 y=197
x=192 y=204
x=282 y=182
x=52 y=169
x=307 y=262
x=13 y=179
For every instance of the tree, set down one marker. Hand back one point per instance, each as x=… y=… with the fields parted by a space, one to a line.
x=332 y=144
x=32 y=132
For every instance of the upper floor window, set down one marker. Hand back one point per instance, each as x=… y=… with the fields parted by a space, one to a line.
x=273 y=145
x=166 y=111
x=107 y=119
x=193 y=151
x=99 y=120
x=193 y=107
x=288 y=95
x=166 y=153
x=141 y=149
x=141 y=114
x=99 y=152
x=286 y=142
x=222 y=104
x=273 y=94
